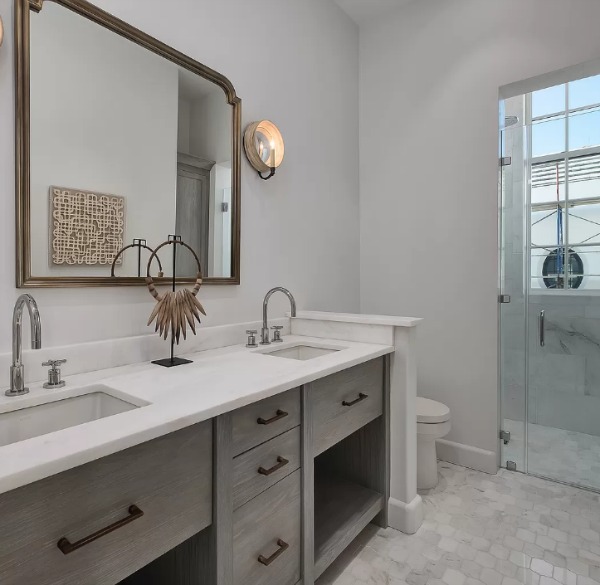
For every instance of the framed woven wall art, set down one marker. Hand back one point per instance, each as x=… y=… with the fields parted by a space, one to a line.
x=85 y=227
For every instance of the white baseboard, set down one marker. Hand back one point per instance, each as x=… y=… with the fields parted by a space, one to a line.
x=405 y=517
x=467 y=456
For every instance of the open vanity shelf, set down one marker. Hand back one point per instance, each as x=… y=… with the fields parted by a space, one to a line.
x=342 y=510
x=349 y=491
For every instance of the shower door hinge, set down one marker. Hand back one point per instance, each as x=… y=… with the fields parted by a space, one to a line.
x=511 y=466
x=506 y=161
x=505 y=437
x=504 y=299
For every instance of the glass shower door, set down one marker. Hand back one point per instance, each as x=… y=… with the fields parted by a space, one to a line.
x=550 y=284
x=513 y=300
x=564 y=407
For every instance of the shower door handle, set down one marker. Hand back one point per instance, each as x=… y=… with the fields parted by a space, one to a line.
x=542 y=328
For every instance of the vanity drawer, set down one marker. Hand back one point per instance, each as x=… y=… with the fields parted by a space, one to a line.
x=345 y=402
x=267 y=536
x=256 y=423
x=168 y=479
x=265 y=465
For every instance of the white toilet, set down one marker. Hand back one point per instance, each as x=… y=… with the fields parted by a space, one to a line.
x=433 y=422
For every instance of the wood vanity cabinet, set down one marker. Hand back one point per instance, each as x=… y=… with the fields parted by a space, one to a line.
x=168 y=481
x=269 y=494
x=349 y=450
x=266 y=494
x=327 y=448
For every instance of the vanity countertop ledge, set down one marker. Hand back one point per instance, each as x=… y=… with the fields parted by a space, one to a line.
x=218 y=381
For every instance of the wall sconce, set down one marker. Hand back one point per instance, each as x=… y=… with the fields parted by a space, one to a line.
x=264 y=147
x=1 y=31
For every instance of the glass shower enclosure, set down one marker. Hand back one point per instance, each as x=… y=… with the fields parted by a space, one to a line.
x=550 y=282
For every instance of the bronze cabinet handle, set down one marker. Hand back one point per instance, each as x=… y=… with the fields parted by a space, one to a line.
x=281 y=462
x=360 y=398
x=283 y=546
x=66 y=547
x=278 y=416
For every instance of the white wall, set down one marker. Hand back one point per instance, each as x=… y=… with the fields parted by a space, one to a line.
x=210 y=127
x=71 y=148
x=210 y=137
x=300 y=229
x=183 y=126
x=430 y=78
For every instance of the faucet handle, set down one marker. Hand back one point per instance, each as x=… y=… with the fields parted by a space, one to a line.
x=54 y=379
x=251 y=333
x=277 y=333
x=54 y=363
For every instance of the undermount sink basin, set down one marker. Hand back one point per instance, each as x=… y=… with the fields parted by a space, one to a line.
x=301 y=352
x=81 y=406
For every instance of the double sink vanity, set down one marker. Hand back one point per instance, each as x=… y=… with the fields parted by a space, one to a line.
x=257 y=460
x=248 y=466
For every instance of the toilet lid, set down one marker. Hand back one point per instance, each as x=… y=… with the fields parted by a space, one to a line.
x=430 y=411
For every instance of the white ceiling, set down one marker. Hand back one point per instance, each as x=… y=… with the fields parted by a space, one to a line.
x=362 y=10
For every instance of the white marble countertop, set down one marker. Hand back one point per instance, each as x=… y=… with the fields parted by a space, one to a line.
x=359 y=318
x=218 y=381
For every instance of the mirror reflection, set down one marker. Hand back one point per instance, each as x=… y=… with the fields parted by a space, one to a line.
x=124 y=145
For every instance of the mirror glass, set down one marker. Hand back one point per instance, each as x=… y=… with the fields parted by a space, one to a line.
x=124 y=145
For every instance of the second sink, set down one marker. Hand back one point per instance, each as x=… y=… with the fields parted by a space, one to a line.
x=300 y=351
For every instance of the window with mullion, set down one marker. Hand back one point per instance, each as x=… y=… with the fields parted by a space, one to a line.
x=564 y=179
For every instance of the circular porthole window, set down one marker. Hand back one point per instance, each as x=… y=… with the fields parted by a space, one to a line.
x=550 y=270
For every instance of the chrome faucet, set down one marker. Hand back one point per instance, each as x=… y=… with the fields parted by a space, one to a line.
x=264 y=334
x=17 y=370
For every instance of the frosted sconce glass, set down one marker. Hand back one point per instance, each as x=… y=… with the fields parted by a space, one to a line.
x=264 y=147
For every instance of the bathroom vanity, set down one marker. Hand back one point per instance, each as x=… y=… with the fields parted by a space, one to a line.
x=245 y=466
x=248 y=466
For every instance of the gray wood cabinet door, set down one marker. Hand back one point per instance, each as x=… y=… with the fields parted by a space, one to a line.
x=345 y=402
x=169 y=479
x=258 y=422
x=264 y=466
x=267 y=536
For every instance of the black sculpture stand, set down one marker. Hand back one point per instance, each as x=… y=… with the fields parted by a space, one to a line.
x=171 y=362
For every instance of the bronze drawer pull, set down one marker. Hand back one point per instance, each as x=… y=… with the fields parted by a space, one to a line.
x=67 y=547
x=281 y=462
x=278 y=416
x=360 y=398
x=283 y=546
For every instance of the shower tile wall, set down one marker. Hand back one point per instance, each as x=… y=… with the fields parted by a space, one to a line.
x=565 y=373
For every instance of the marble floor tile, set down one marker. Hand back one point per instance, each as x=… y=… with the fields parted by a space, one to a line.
x=555 y=453
x=543 y=534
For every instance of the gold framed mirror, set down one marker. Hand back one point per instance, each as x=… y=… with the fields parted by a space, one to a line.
x=119 y=139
